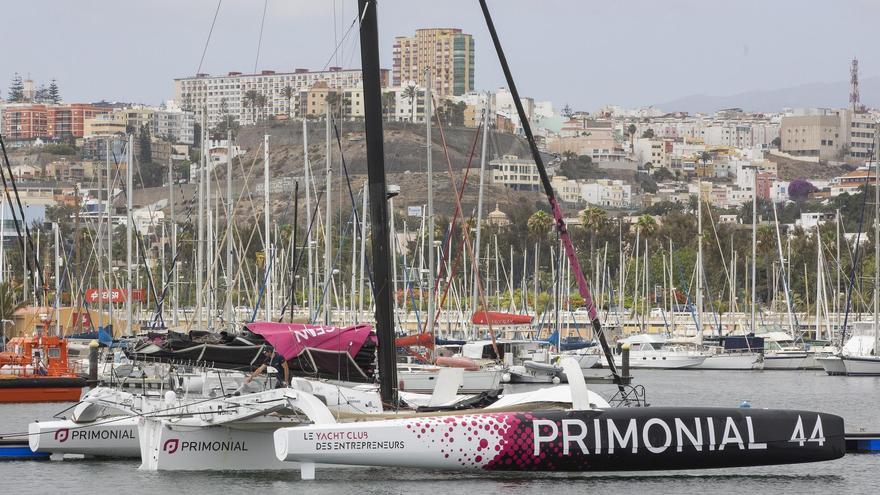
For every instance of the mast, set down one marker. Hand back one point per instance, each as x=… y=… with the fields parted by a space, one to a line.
x=267 y=245
x=551 y=197
x=57 y=279
x=97 y=235
x=200 y=240
x=328 y=224
x=109 y=234
x=754 y=249
x=699 y=262
x=430 y=166
x=876 y=256
x=229 y=212
x=360 y=312
x=820 y=281
x=129 y=194
x=369 y=38
x=309 y=291
x=174 y=320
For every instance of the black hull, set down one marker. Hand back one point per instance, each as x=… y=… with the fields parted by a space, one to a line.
x=660 y=439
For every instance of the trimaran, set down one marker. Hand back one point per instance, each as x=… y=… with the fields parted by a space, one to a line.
x=565 y=428
x=583 y=438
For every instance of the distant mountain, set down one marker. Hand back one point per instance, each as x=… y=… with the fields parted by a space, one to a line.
x=834 y=94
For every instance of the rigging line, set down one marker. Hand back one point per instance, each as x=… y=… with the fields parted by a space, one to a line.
x=208 y=40
x=354 y=22
x=36 y=268
x=551 y=197
x=467 y=241
x=260 y=38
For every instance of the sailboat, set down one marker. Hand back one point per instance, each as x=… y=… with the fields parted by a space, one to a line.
x=588 y=435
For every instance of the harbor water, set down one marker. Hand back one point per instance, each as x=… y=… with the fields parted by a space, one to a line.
x=855 y=399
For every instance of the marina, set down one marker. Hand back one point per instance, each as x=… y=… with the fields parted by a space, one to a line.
x=237 y=335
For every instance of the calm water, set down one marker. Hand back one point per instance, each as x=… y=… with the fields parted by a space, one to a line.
x=856 y=399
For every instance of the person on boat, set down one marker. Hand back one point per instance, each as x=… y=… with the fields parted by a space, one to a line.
x=275 y=360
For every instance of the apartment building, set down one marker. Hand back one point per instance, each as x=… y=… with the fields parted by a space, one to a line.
x=225 y=96
x=447 y=52
x=168 y=122
x=608 y=193
x=29 y=121
x=567 y=190
x=516 y=173
x=862 y=128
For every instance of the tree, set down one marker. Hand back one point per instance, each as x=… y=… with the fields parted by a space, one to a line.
x=54 y=93
x=16 y=89
x=411 y=92
x=145 y=155
x=288 y=93
x=662 y=173
x=388 y=99
x=776 y=143
x=539 y=225
x=799 y=189
x=251 y=98
x=567 y=112
x=9 y=302
x=631 y=130
x=648 y=133
x=333 y=99
x=41 y=95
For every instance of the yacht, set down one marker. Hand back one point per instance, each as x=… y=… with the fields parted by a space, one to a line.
x=656 y=352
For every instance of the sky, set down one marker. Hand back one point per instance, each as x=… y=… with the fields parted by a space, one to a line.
x=583 y=53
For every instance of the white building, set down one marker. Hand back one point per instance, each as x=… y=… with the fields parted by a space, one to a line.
x=567 y=190
x=516 y=173
x=225 y=95
x=607 y=192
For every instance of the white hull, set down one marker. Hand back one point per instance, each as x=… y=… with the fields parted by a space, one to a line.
x=167 y=448
x=833 y=365
x=661 y=360
x=109 y=437
x=473 y=382
x=862 y=365
x=732 y=361
x=796 y=360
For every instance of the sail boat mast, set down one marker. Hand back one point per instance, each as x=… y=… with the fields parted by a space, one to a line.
x=369 y=38
x=430 y=169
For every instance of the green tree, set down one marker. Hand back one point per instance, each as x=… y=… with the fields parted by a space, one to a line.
x=411 y=92
x=251 y=99
x=54 y=92
x=288 y=93
x=9 y=301
x=145 y=154
x=16 y=89
x=648 y=133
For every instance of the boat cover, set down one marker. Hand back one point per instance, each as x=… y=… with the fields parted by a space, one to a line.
x=499 y=318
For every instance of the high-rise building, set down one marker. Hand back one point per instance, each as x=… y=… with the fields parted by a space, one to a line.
x=285 y=93
x=449 y=54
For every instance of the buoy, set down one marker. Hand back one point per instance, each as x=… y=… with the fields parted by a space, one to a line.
x=556 y=380
x=745 y=404
x=505 y=378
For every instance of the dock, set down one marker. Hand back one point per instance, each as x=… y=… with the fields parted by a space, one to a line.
x=862 y=442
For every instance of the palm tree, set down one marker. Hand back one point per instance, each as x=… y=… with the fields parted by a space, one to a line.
x=704 y=156
x=539 y=225
x=9 y=304
x=262 y=104
x=632 y=134
x=411 y=92
x=387 y=104
x=251 y=97
x=287 y=92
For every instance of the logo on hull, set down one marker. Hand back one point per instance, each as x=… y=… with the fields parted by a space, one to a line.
x=62 y=435
x=170 y=446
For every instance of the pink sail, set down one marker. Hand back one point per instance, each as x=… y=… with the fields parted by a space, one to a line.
x=291 y=339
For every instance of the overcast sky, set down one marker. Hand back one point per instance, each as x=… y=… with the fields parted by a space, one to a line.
x=582 y=52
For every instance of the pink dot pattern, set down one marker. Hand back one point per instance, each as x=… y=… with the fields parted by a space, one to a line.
x=497 y=442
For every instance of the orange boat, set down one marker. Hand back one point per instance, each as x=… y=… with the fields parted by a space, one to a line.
x=35 y=369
